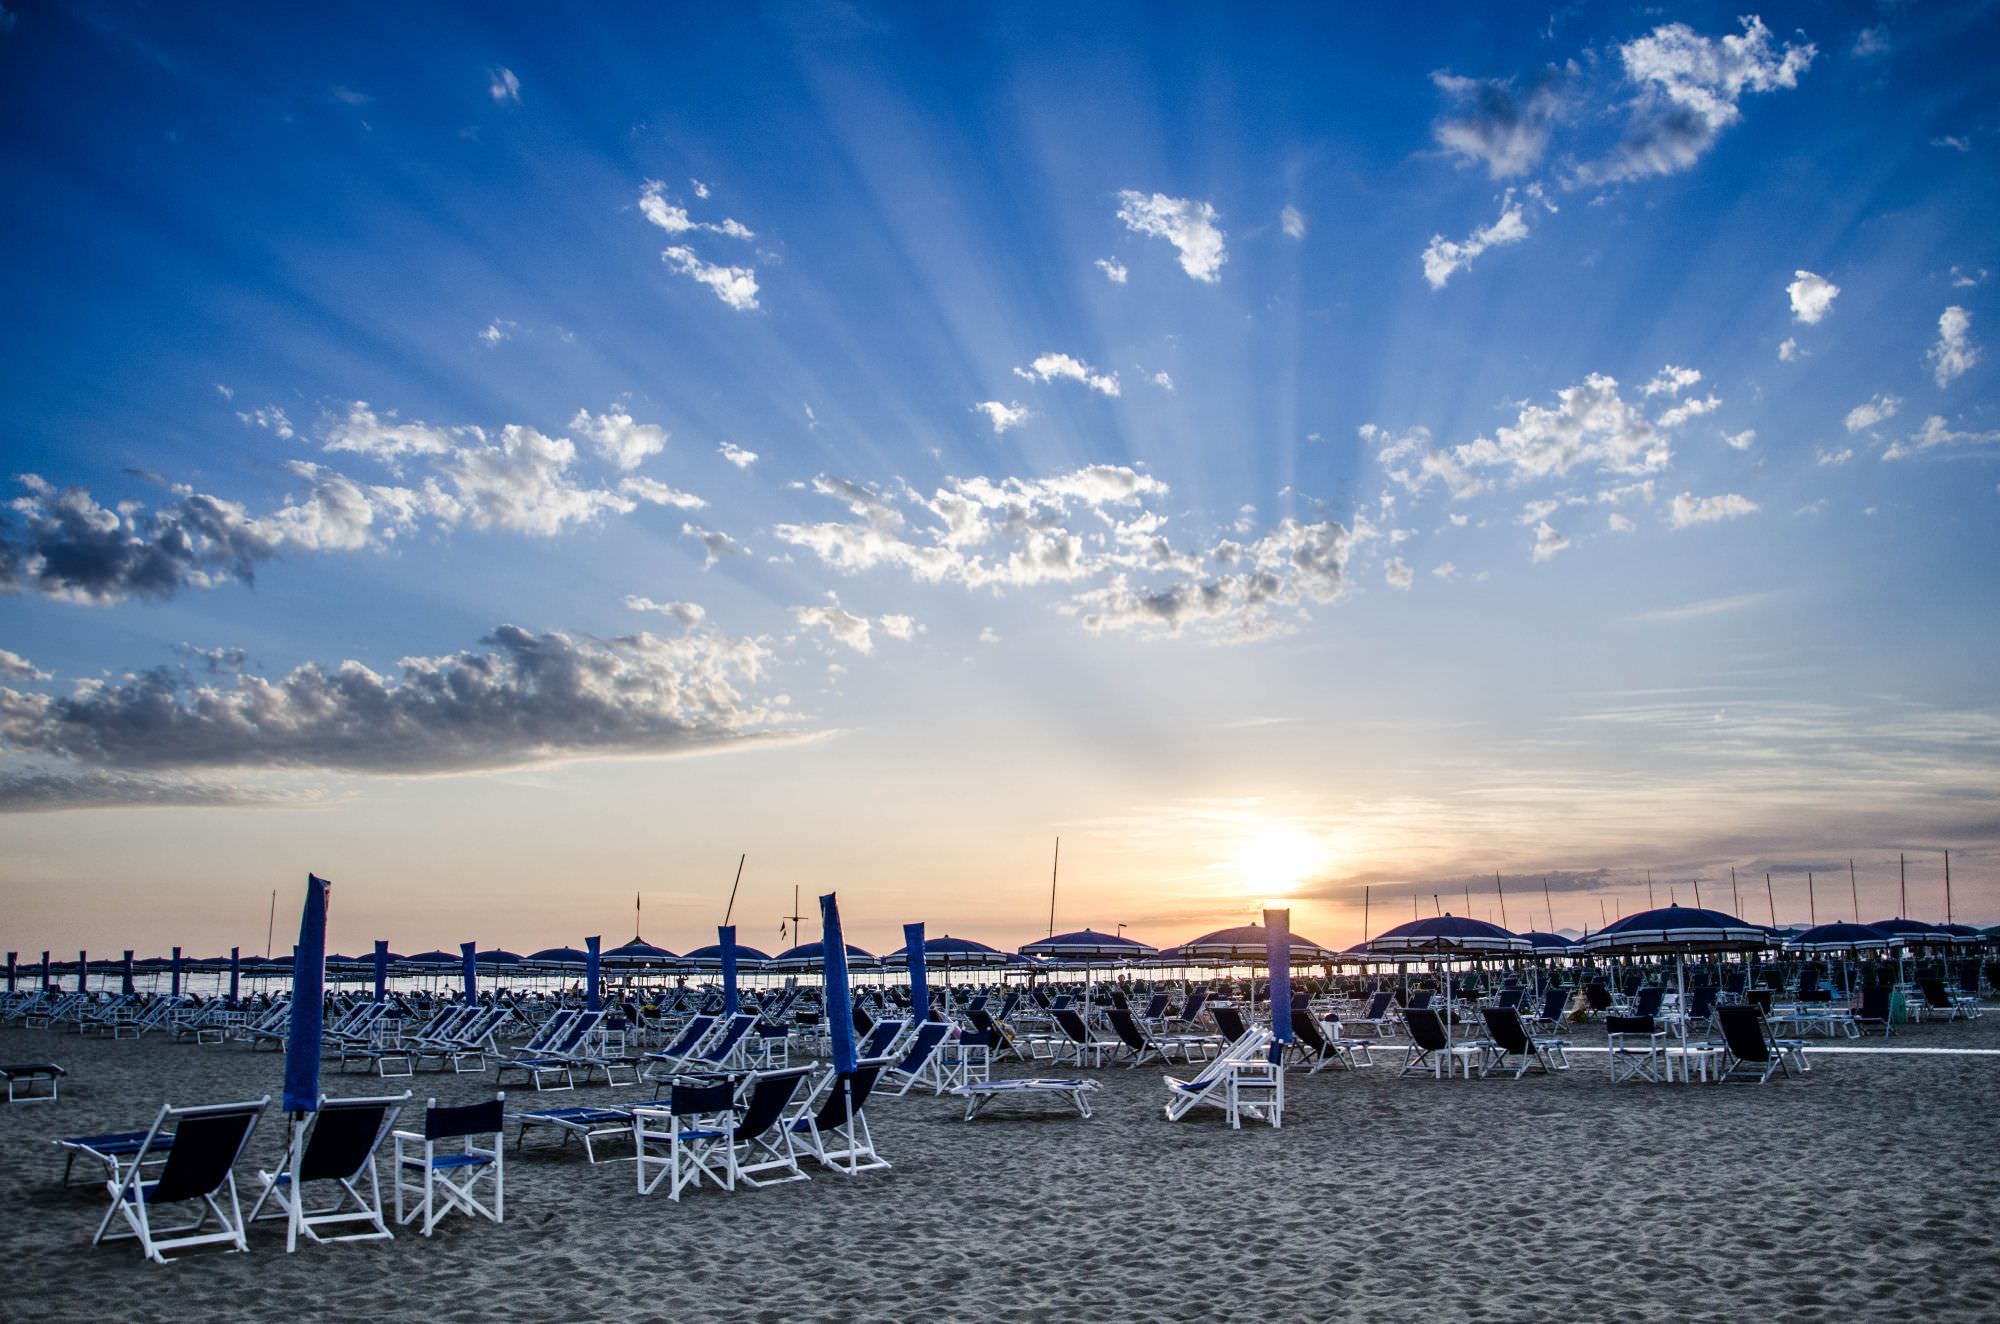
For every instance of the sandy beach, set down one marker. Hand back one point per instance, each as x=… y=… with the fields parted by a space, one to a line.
x=1862 y=1191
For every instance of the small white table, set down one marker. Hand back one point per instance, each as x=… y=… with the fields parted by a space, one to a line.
x=1691 y=1058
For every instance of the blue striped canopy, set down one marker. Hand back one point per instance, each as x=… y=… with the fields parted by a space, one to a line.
x=1450 y=935
x=1678 y=929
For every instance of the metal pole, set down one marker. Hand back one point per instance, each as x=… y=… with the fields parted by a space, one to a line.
x=1053 y=867
x=1903 y=881
x=1855 y=888
x=1812 y=906
x=1503 y=898
x=1771 y=897
x=1947 y=887
x=1735 y=900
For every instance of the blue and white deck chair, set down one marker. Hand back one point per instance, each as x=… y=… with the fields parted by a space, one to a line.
x=200 y=1167
x=440 y=1176
x=881 y=1039
x=699 y=1135
x=337 y=1145
x=765 y=1152
x=833 y=1126
x=1243 y=1081
x=683 y=1047
x=920 y=1064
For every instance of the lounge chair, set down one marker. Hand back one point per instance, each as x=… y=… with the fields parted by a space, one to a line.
x=1243 y=1080
x=691 y=1037
x=1311 y=1041
x=559 y=1056
x=1938 y=1001
x=919 y=1064
x=1750 y=1053
x=763 y=1142
x=1510 y=1038
x=20 y=1078
x=1431 y=1044
x=339 y=1147
x=589 y=1125
x=1874 y=1008
x=441 y=1177
x=832 y=1125
x=200 y=1166
x=1142 y=1044
x=1378 y=1016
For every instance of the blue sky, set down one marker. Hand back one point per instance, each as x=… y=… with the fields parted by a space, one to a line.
x=1283 y=454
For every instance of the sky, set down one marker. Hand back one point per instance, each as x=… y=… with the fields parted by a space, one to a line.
x=515 y=460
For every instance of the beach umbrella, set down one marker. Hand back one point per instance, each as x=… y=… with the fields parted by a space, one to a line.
x=175 y=988
x=1548 y=944
x=1843 y=938
x=1678 y=930
x=839 y=1001
x=432 y=958
x=593 y=964
x=125 y=974
x=563 y=956
x=381 y=970
x=1277 y=956
x=302 y=1043
x=1962 y=935
x=914 y=956
x=11 y=956
x=235 y=973
x=1087 y=945
x=710 y=958
x=947 y=952
x=808 y=956
x=1246 y=945
x=497 y=958
x=46 y=983
x=82 y=971
x=468 y=955
x=1448 y=936
x=726 y=940
x=639 y=954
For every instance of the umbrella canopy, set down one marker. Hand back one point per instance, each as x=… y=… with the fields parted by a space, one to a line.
x=558 y=956
x=1088 y=945
x=1964 y=935
x=1842 y=938
x=1678 y=929
x=433 y=958
x=1454 y=935
x=638 y=953
x=812 y=955
x=710 y=958
x=1914 y=932
x=949 y=951
x=499 y=957
x=1247 y=943
x=1548 y=944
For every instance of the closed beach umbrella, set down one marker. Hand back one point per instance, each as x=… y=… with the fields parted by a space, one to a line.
x=839 y=1001
x=235 y=973
x=125 y=974
x=46 y=983
x=920 y=991
x=593 y=974
x=468 y=955
x=726 y=941
x=381 y=970
x=1277 y=955
x=175 y=989
x=302 y=1043
x=82 y=971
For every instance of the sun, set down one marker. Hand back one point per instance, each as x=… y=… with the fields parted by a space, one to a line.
x=1274 y=860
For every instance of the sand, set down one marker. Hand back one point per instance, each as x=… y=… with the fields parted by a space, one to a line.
x=1865 y=1190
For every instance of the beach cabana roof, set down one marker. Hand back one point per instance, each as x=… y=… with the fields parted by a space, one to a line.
x=710 y=957
x=1450 y=935
x=1088 y=945
x=948 y=951
x=1245 y=943
x=1677 y=928
x=812 y=956
x=1842 y=938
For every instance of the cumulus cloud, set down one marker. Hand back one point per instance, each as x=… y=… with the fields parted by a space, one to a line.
x=519 y=698
x=1690 y=408
x=38 y=791
x=1443 y=257
x=1495 y=122
x=656 y=493
x=714 y=543
x=689 y=614
x=1741 y=441
x=70 y=547
x=1589 y=426
x=618 y=438
x=736 y=455
x=15 y=667
x=1689 y=509
x=1049 y=367
x=1001 y=414
x=1812 y=298
x=1870 y=412
x=1114 y=270
x=1936 y=433
x=1788 y=349
x=1672 y=380
x=270 y=418
x=1954 y=354
x=1292 y=221
x=1188 y=225
x=1238 y=598
x=735 y=286
x=503 y=86
x=1689 y=87
x=1547 y=542
x=1398 y=574
x=841 y=625
x=670 y=216
x=1827 y=459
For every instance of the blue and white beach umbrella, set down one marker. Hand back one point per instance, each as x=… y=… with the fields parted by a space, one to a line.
x=920 y=990
x=302 y=1043
x=1278 y=957
x=726 y=940
x=839 y=1000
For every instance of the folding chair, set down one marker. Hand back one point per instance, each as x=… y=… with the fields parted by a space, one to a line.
x=444 y=1177
x=1510 y=1038
x=1632 y=1047
x=337 y=1145
x=700 y=1136
x=200 y=1165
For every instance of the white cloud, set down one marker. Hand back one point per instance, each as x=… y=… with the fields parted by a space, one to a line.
x=1672 y=380
x=1741 y=441
x=497 y=331
x=1871 y=41
x=1398 y=574
x=715 y=543
x=841 y=625
x=1188 y=225
x=1114 y=270
x=898 y=626
x=1411 y=460
x=656 y=493
x=1547 y=542
x=1690 y=408
x=1831 y=459
x=1689 y=509
x=988 y=635
x=1691 y=611
x=1445 y=570
x=1292 y=221
x=523 y=485
x=1961 y=279
x=1935 y=433
x=1002 y=415
x=736 y=455
x=1617 y=523
x=1867 y=414
x=655 y=206
x=1162 y=380
x=735 y=286
x=503 y=86
x=1957 y=142
x=1788 y=349
x=15 y=667
x=1812 y=297
x=1460 y=521
x=229 y=392
x=1498 y=124
x=1443 y=257
x=1049 y=367
x=689 y=614
x=272 y=419
x=380 y=437
x=618 y=438
x=1689 y=87
x=700 y=189
x=1954 y=352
